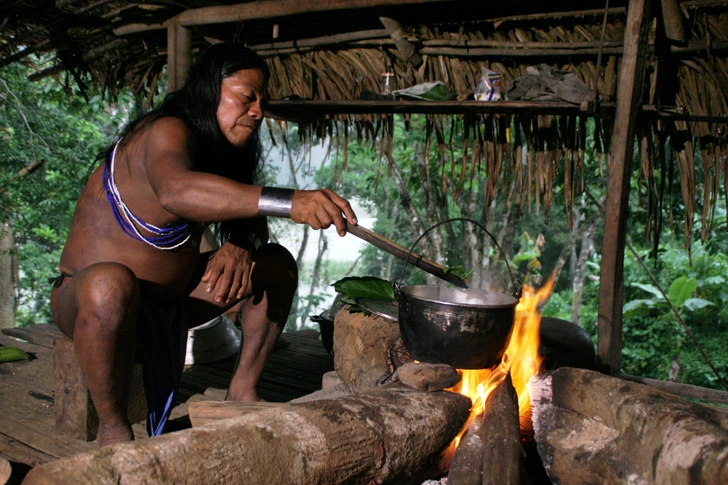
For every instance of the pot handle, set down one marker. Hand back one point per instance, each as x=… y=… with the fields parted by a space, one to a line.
x=516 y=288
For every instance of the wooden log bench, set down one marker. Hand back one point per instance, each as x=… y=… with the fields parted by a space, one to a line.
x=75 y=414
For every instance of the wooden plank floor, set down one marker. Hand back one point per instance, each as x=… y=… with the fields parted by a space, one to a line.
x=27 y=424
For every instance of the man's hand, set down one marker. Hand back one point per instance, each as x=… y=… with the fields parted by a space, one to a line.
x=228 y=273
x=321 y=208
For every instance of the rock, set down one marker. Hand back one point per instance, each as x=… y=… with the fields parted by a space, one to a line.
x=428 y=377
x=329 y=380
x=360 y=348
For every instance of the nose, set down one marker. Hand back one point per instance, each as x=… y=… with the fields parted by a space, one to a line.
x=256 y=110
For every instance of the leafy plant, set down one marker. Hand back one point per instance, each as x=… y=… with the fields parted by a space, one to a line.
x=678 y=293
x=368 y=287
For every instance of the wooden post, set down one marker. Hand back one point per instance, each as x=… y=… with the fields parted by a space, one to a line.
x=74 y=410
x=629 y=94
x=8 y=275
x=179 y=55
x=9 y=260
x=672 y=19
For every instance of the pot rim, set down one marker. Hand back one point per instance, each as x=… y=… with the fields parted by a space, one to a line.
x=512 y=304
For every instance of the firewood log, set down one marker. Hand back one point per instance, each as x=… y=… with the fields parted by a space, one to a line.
x=382 y=436
x=205 y=412
x=467 y=464
x=592 y=428
x=501 y=435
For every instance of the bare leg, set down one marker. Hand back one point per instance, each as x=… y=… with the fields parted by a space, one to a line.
x=98 y=308
x=259 y=338
x=273 y=282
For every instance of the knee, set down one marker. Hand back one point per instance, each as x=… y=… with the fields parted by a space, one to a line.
x=108 y=290
x=275 y=268
x=277 y=261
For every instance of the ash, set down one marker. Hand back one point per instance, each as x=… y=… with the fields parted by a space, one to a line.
x=442 y=481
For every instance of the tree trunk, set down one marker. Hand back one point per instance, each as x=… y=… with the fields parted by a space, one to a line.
x=383 y=436
x=323 y=246
x=587 y=247
x=8 y=276
x=592 y=428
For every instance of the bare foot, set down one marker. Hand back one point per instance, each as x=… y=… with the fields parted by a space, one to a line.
x=249 y=395
x=109 y=434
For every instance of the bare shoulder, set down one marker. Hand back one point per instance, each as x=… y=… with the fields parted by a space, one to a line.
x=167 y=133
x=164 y=141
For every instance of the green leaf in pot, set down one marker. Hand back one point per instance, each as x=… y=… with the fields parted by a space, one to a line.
x=369 y=287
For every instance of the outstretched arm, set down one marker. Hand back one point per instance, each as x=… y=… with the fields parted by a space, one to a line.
x=205 y=197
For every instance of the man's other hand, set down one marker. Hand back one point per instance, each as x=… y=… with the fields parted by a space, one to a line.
x=228 y=273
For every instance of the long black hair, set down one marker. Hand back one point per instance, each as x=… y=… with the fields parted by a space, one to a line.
x=196 y=105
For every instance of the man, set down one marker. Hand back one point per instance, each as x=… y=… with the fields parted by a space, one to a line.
x=131 y=271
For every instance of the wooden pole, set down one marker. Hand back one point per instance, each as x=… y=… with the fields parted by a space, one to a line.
x=672 y=19
x=9 y=261
x=8 y=276
x=629 y=95
x=680 y=389
x=279 y=8
x=179 y=55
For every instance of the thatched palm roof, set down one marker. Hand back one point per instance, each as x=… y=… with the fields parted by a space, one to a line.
x=335 y=50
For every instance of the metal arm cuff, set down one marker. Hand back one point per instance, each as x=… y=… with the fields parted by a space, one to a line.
x=275 y=202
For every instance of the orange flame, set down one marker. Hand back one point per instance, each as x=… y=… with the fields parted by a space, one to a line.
x=521 y=358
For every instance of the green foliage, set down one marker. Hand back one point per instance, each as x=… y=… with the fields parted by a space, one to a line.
x=41 y=121
x=678 y=293
x=654 y=341
x=368 y=287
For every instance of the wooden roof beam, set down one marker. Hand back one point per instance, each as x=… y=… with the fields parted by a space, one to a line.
x=279 y=8
x=260 y=10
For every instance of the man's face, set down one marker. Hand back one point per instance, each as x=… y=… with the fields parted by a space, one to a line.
x=242 y=99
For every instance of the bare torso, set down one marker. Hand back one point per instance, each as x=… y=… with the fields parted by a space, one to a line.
x=95 y=235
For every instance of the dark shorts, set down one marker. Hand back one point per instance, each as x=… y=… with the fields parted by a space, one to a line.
x=162 y=342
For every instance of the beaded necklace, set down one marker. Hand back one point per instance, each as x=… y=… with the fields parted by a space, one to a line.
x=164 y=238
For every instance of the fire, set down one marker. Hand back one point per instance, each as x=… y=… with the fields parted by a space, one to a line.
x=521 y=357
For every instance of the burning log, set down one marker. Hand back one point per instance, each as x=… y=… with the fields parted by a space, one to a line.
x=592 y=428
x=490 y=452
x=467 y=464
x=501 y=435
x=393 y=435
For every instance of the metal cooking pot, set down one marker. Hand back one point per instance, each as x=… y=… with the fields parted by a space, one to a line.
x=464 y=328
